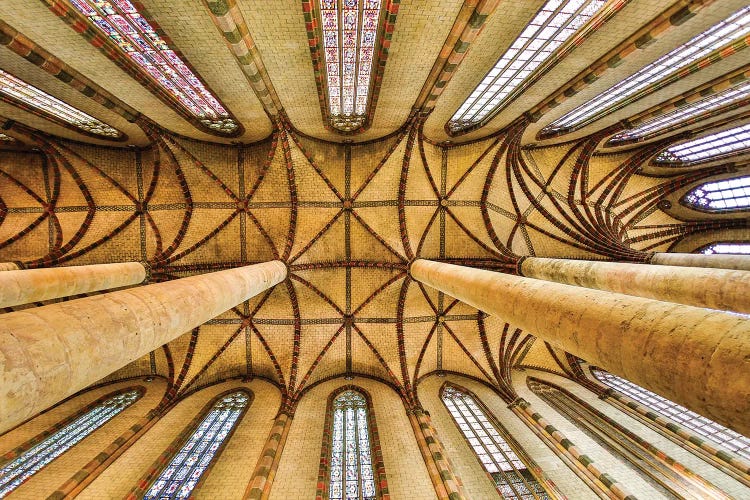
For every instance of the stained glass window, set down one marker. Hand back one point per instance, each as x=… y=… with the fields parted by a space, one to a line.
x=553 y=25
x=352 y=475
x=179 y=477
x=702 y=426
x=511 y=475
x=726 y=247
x=15 y=472
x=659 y=72
x=728 y=194
x=19 y=92
x=350 y=29
x=711 y=147
x=688 y=113
x=121 y=22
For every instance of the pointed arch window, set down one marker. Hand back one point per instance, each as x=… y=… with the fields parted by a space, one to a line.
x=721 y=196
x=702 y=426
x=663 y=71
x=685 y=115
x=121 y=23
x=555 y=23
x=709 y=148
x=492 y=445
x=70 y=433
x=26 y=96
x=351 y=463
x=181 y=475
x=727 y=247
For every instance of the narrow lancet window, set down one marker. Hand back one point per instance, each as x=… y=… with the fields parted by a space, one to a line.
x=512 y=476
x=31 y=461
x=721 y=196
x=553 y=25
x=179 y=478
x=726 y=438
x=120 y=22
x=725 y=247
x=18 y=92
x=711 y=147
x=655 y=75
x=349 y=37
x=352 y=474
x=684 y=115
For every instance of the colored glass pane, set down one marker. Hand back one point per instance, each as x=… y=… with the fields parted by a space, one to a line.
x=553 y=25
x=726 y=247
x=350 y=29
x=23 y=93
x=658 y=73
x=14 y=473
x=728 y=142
x=688 y=113
x=352 y=474
x=512 y=478
x=181 y=475
x=121 y=22
x=728 y=194
x=702 y=426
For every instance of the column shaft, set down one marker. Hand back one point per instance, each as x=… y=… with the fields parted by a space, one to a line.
x=699 y=358
x=48 y=353
x=8 y=266
x=722 y=261
x=35 y=285
x=268 y=463
x=696 y=286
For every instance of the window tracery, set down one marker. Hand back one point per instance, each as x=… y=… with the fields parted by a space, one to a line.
x=725 y=247
x=121 y=22
x=711 y=147
x=660 y=72
x=723 y=195
x=555 y=23
x=702 y=426
x=18 y=92
x=512 y=476
x=686 y=114
x=180 y=477
x=31 y=461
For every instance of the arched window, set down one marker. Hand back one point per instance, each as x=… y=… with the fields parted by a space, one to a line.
x=179 y=478
x=724 y=195
x=31 y=461
x=351 y=466
x=702 y=426
x=727 y=247
x=492 y=444
x=711 y=147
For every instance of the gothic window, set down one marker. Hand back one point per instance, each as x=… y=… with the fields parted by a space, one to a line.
x=120 y=22
x=30 y=98
x=179 y=478
x=349 y=44
x=685 y=115
x=711 y=147
x=655 y=75
x=352 y=474
x=724 y=195
x=31 y=461
x=724 y=247
x=726 y=438
x=490 y=442
x=553 y=25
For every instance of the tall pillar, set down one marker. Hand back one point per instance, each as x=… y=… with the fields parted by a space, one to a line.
x=447 y=484
x=48 y=353
x=8 y=266
x=696 y=286
x=699 y=358
x=35 y=285
x=268 y=463
x=722 y=261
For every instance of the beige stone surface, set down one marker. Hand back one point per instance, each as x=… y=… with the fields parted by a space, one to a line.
x=728 y=261
x=8 y=266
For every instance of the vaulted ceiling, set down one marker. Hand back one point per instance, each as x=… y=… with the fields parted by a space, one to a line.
x=348 y=213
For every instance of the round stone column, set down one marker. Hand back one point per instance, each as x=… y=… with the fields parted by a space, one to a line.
x=721 y=261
